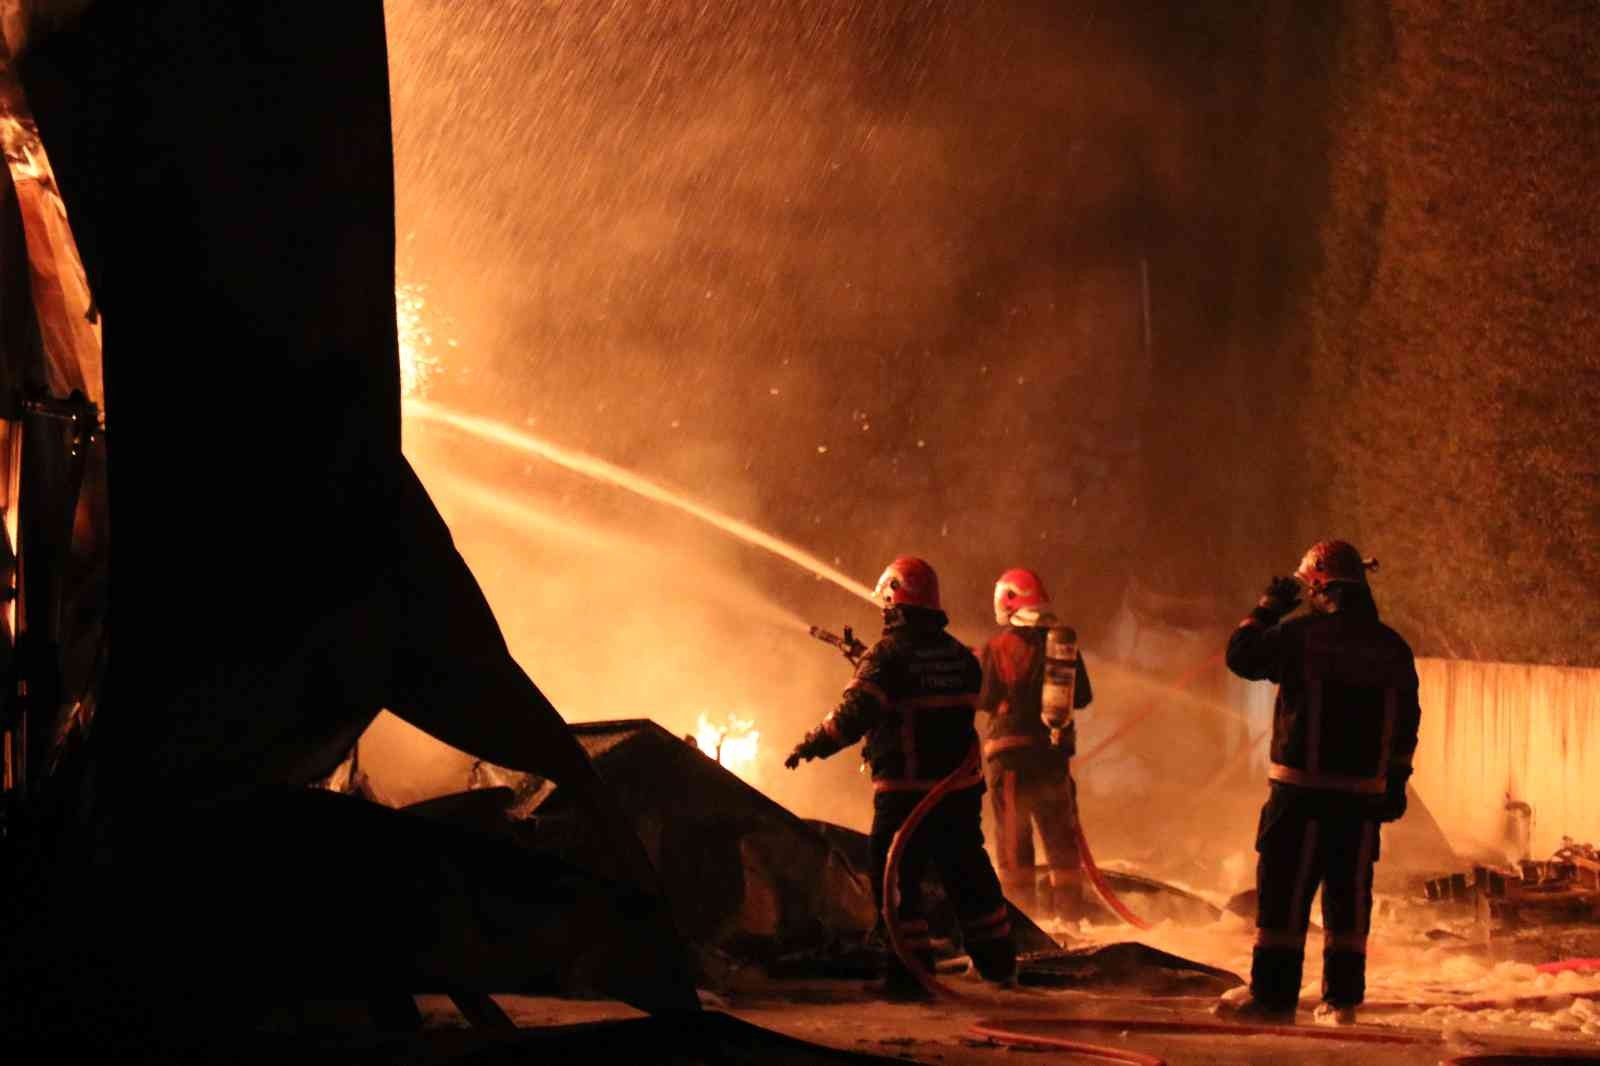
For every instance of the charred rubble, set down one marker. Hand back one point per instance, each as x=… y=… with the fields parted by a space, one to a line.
x=762 y=894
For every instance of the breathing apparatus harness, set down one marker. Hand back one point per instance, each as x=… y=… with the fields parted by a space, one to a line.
x=852 y=649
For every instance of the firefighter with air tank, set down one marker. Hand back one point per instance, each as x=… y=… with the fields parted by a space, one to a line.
x=913 y=698
x=1343 y=734
x=1033 y=680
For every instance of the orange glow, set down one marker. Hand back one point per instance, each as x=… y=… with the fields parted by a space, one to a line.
x=1499 y=732
x=68 y=322
x=541 y=560
x=498 y=433
x=417 y=360
x=734 y=743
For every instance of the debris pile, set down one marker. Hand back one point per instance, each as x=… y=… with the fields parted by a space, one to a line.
x=1564 y=888
x=757 y=890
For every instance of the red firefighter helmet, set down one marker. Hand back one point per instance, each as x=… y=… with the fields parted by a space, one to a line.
x=910 y=582
x=1018 y=588
x=1329 y=562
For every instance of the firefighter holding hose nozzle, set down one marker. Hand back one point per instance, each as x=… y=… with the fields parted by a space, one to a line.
x=1033 y=680
x=1343 y=733
x=912 y=698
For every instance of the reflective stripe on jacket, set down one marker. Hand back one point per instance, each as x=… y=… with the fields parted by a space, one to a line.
x=912 y=698
x=1346 y=715
x=1013 y=686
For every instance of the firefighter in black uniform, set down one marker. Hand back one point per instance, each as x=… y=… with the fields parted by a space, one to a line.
x=1343 y=733
x=1026 y=758
x=912 y=698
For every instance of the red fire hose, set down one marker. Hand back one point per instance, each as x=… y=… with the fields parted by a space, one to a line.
x=1055 y=1034
x=1128 y=726
x=891 y=906
x=1522 y=1060
x=1487 y=1003
x=1012 y=1032
x=1575 y=965
x=891 y=872
x=1099 y=882
x=1051 y=1033
x=891 y=885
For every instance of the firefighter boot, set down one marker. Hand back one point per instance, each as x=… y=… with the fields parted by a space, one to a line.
x=995 y=960
x=991 y=946
x=900 y=985
x=1240 y=1005
x=1274 y=990
x=1328 y=1014
x=1344 y=986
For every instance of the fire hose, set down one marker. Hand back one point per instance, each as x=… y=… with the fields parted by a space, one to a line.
x=1097 y=879
x=1025 y=1032
x=852 y=649
x=1050 y=1033
x=1486 y=1003
x=1134 y=721
x=1575 y=965
x=1008 y=1032
x=891 y=874
x=1015 y=1032
x=1520 y=1060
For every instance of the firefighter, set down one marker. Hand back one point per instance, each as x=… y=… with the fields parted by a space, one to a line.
x=1027 y=759
x=1343 y=733
x=912 y=698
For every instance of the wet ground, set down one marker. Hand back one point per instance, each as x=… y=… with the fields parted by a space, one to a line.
x=837 y=1015
x=1427 y=965
x=1439 y=988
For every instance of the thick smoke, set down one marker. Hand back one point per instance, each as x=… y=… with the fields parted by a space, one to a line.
x=1013 y=284
x=869 y=274
x=887 y=278
x=638 y=615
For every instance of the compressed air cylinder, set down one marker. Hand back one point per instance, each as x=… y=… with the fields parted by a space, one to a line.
x=1060 y=677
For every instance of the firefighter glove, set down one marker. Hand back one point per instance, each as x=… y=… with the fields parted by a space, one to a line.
x=807 y=749
x=1393 y=804
x=1282 y=595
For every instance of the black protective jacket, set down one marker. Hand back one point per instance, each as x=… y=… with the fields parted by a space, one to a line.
x=912 y=698
x=1013 y=687
x=1345 y=723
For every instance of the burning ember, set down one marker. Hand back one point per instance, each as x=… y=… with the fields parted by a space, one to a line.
x=733 y=743
x=417 y=361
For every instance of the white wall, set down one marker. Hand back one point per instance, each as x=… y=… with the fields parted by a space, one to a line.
x=1492 y=729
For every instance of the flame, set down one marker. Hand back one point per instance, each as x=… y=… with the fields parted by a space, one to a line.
x=417 y=361
x=735 y=743
x=24 y=154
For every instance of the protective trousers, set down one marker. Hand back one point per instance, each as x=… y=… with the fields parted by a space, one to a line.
x=1300 y=849
x=1020 y=802
x=950 y=839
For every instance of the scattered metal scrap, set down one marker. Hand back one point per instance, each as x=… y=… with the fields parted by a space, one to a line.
x=1563 y=888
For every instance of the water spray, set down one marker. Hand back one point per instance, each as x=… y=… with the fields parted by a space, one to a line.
x=520 y=517
x=599 y=470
